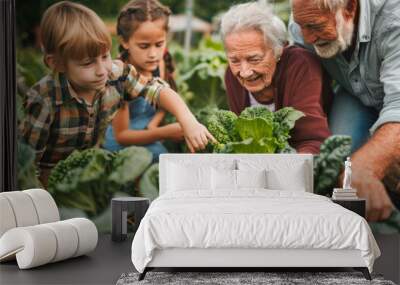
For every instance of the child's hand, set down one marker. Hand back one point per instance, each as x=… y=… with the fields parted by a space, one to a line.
x=196 y=135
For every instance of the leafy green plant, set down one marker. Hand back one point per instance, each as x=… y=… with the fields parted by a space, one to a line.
x=26 y=175
x=256 y=130
x=148 y=186
x=30 y=65
x=329 y=163
x=88 y=179
x=222 y=124
x=80 y=182
x=128 y=164
x=200 y=78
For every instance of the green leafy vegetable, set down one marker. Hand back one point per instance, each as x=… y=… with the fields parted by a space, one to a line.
x=329 y=163
x=148 y=186
x=222 y=125
x=88 y=179
x=129 y=163
x=256 y=130
x=257 y=112
x=284 y=121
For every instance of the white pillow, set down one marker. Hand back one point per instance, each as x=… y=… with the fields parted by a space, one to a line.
x=223 y=179
x=251 y=178
x=282 y=174
x=293 y=180
x=182 y=177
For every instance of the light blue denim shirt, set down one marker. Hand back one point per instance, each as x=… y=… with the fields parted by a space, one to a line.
x=373 y=73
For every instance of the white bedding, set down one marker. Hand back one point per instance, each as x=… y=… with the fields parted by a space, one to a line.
x=252 y=218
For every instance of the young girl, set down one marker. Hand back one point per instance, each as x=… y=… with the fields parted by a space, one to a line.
x=142 y=28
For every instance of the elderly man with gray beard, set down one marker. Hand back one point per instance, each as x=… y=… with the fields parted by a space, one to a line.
x=358 y=42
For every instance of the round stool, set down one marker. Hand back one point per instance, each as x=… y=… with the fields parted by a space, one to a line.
x=124 y=210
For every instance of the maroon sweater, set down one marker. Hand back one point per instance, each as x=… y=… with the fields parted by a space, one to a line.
x=298 y=82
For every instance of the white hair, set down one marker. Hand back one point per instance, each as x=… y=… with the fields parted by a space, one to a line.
x=258 y=16
x=332 y=5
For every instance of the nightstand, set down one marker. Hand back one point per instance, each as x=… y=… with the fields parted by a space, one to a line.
x=127 y=211
x=358 y=205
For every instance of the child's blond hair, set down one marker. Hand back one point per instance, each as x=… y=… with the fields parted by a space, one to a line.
x=72 y=31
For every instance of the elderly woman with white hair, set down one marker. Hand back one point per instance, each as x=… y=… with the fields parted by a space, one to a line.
x=264 y=71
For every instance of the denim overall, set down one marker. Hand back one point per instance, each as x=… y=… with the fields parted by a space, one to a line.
x=140 y=115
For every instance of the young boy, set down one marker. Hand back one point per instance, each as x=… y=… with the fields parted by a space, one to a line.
x=67 y=109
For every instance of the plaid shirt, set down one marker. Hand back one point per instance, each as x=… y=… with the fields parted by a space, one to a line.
x=58 y=121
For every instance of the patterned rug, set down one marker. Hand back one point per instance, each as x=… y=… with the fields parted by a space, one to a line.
x=243 y=278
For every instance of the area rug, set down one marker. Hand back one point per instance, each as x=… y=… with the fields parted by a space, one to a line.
x=243 y=278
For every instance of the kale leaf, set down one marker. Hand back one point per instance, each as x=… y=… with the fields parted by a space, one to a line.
x=256 y=130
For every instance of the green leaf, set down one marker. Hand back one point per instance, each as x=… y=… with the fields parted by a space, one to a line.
x=129 y=163
x=148 y=186
x=221 y=125
x=96 y=168
x=287 y=117
x=256 y=123
x=257 y=128
x=328 y=164
x=266 y=145
x=257 y=112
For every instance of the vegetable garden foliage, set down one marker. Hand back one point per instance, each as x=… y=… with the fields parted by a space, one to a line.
x=256 y=130
x=148 y=186
x=26 y=169
x=29 y=70
x=201 y=81
x=87 y=179
x=329 y=163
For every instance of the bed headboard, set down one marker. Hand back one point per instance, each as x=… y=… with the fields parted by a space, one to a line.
x=269 y=160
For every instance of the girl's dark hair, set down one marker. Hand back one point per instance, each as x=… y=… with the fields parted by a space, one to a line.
x=132 y=15
x=169 y=70
x=136 y=12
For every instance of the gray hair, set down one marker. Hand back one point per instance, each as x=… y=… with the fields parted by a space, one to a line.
x=332 y=5
x=258 y=16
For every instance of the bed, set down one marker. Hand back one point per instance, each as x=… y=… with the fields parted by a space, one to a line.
x=245 y=210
